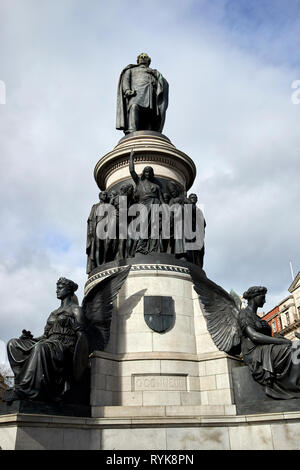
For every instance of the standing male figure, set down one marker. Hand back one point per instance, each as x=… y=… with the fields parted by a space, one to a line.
x=198 y=225
x=95 y=248
x=142 y=97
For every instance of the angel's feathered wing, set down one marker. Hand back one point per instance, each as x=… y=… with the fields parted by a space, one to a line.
x=220 y=312
x=97 y=308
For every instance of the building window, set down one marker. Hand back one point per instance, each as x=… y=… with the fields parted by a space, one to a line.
x=298 y=312
x=279 y=323
x=274 y=326
x=288 y=321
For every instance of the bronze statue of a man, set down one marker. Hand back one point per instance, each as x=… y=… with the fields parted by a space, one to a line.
x=95 y=247
x=142 y=97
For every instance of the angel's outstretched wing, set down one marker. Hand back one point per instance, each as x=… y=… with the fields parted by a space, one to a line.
x=97 y=308
x=220 y=312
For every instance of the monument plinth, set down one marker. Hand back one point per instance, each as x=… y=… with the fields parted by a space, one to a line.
x=147 y=364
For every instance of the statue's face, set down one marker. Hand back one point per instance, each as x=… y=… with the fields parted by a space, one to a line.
x=193 y=198
x=144 y=59
x=62 y=290
x=103 y=196
x=148 y=172
x=260 y=300
x=174 y=192
x=112 y=194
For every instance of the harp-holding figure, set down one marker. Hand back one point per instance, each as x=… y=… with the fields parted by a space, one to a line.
x=45 y=367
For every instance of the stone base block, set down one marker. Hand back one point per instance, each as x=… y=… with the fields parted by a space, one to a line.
x=152 y=428
x=161 y=379
x=250 y=397
x=36 y=407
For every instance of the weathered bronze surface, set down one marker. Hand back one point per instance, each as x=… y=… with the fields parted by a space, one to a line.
x=142 y=98
x=159 y=312
x=272 y=361
x=45 y=367
x=147 y=191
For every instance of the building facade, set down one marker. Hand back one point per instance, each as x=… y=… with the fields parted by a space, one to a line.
x=284 y=319
x=274 y=320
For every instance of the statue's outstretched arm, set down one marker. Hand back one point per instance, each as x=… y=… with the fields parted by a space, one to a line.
x=134 y=175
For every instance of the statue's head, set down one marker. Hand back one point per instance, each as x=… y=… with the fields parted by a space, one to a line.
x=193 y=198
x=127 y=189
x=258 y=293
x=143 y=58
x=148 y=173
x=65 y=287
x=103 y=196
x=166 y=197
x=112 y=193
x=173 y=189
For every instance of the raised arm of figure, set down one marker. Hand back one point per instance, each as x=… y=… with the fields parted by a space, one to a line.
x=134 y=175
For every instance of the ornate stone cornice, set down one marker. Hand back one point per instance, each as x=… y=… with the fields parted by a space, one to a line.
x=135 y=268
x=149 y=149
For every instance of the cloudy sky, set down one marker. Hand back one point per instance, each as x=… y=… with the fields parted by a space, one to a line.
x=230 y=65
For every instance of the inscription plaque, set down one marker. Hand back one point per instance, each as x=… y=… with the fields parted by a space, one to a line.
x=159 y=382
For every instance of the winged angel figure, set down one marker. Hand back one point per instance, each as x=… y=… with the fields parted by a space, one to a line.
x=44 y=367
x=274 y=362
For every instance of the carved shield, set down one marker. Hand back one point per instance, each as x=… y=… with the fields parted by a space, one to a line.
x=159 y=312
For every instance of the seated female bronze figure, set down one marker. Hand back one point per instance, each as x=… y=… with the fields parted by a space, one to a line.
x=273 y=361
x=270 y=359
x=42 y=366
x=45 y=367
